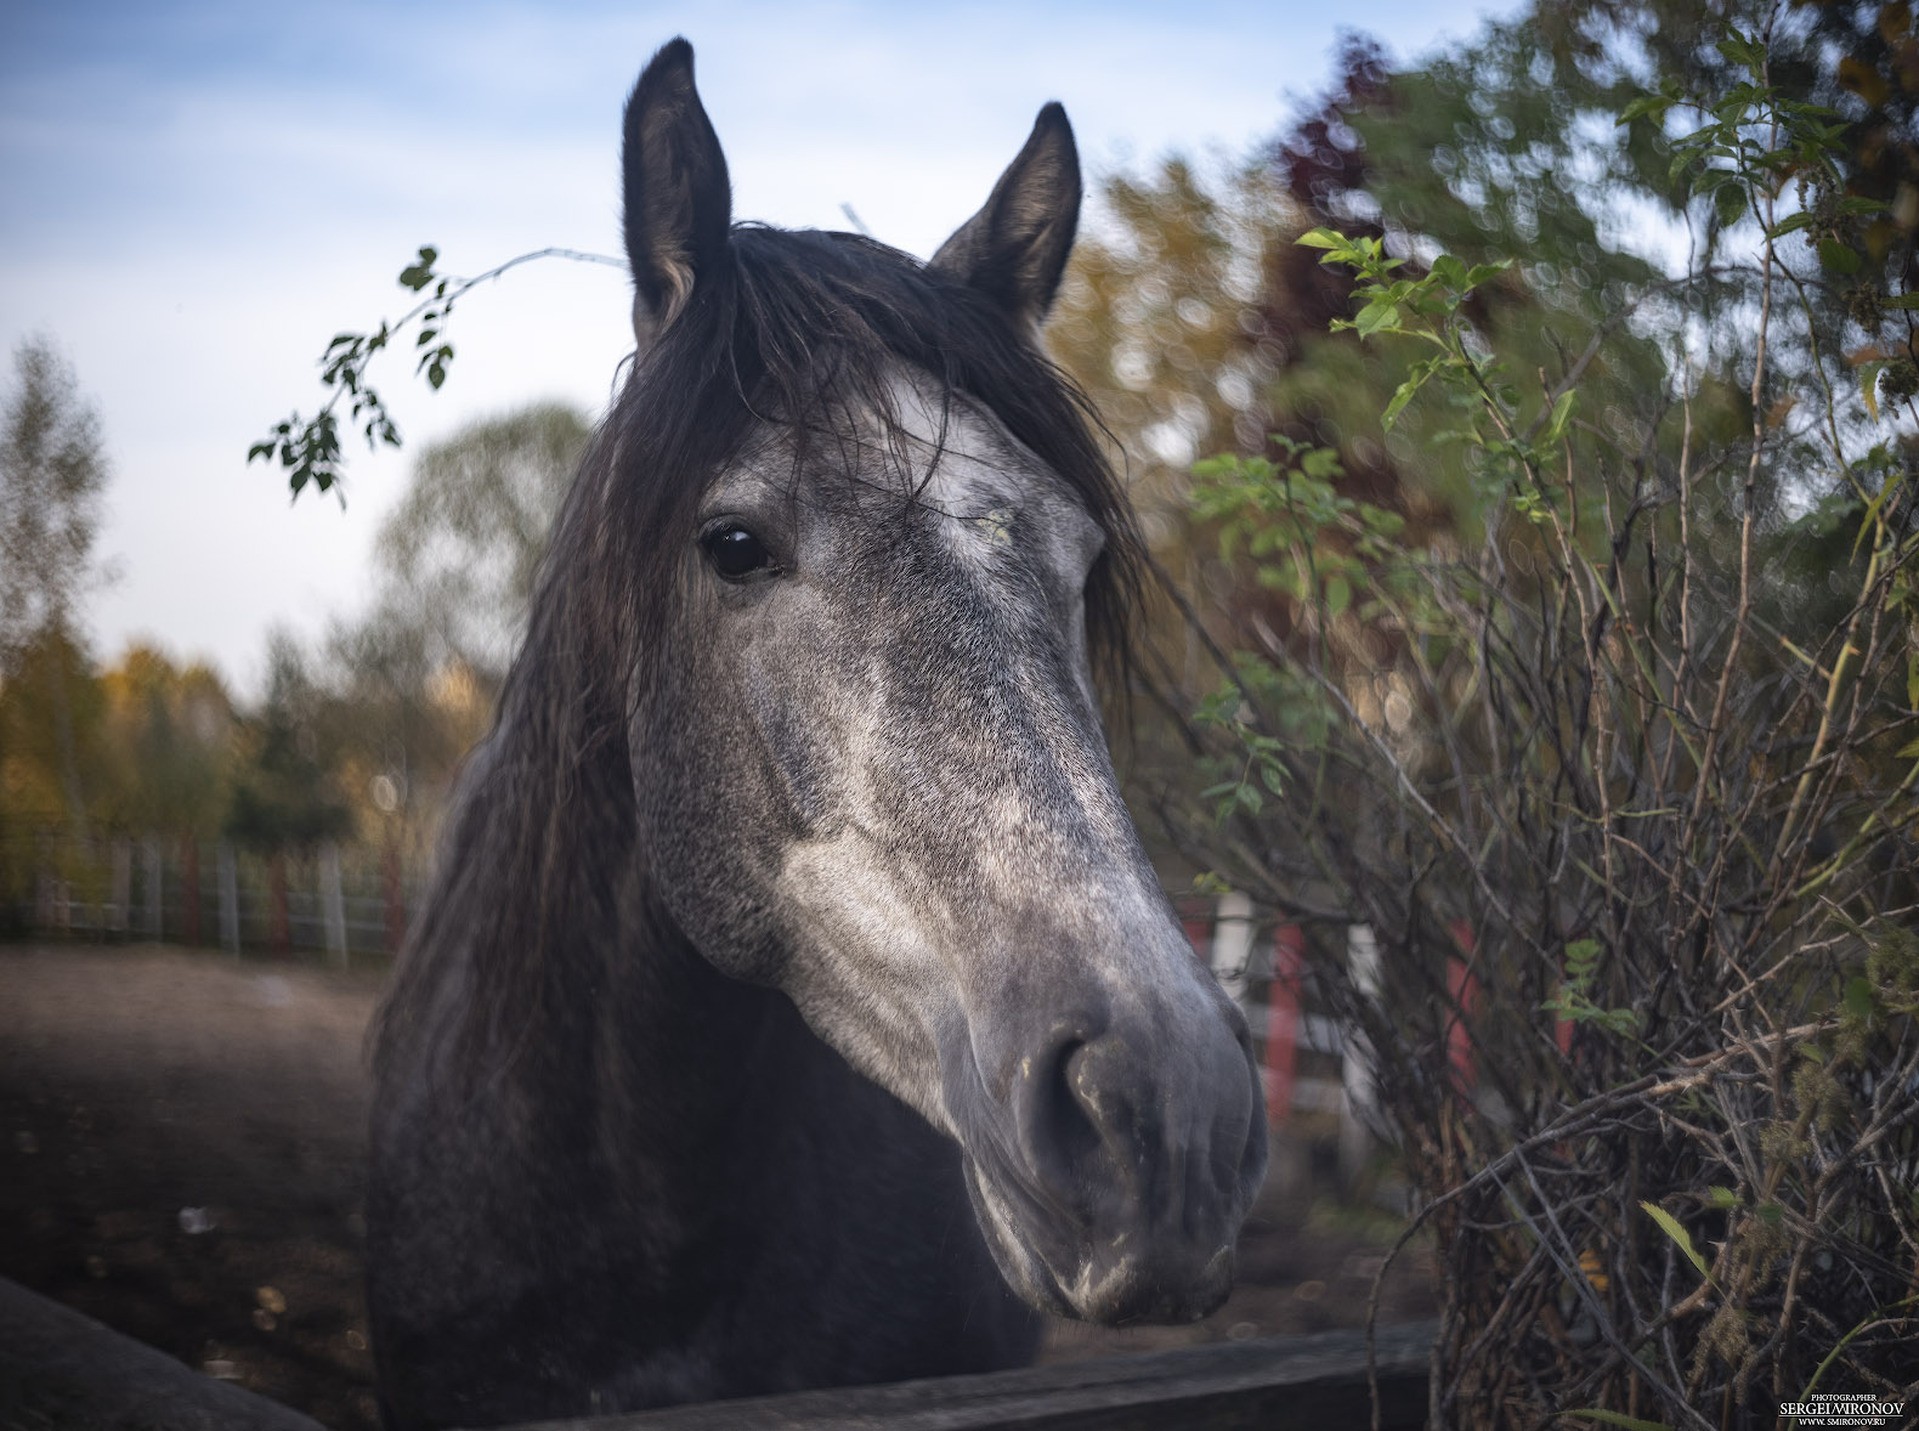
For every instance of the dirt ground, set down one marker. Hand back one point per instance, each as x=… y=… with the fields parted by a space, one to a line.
x=181 y=1157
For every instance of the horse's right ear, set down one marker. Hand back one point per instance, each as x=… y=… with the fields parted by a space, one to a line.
x=679 y=203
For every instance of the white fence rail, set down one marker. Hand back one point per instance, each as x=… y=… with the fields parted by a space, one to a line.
x=340 y=902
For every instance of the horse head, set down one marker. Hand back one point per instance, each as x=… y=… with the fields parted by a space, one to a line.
x=866 y=751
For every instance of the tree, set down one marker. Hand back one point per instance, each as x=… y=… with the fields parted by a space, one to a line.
x=409 y=684
x=285 y=798
x=53 y=470
x=460 y=553
x=1158 y=319
x=400 y=714
x=284 y=794
x=167 y=744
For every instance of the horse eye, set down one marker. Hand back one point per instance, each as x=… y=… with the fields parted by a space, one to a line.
x=735 y=552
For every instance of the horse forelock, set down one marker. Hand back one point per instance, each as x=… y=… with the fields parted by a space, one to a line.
x=799 y=337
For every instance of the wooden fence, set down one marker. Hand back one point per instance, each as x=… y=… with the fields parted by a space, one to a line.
x=1309 y=1063
x=59 y=1369
x=348 y=902
x=338 y=901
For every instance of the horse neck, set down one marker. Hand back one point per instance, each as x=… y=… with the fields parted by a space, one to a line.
x=657 y=1044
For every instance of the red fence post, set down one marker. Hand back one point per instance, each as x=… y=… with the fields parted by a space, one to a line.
x=1282 y=1021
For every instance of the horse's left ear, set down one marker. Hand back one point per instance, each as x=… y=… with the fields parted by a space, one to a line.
x=1015 y=248
x=679 y=202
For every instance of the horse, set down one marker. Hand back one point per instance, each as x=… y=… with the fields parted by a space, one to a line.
x=794 y=1003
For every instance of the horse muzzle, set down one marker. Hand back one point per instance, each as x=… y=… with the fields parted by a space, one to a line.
x=1111 y=1166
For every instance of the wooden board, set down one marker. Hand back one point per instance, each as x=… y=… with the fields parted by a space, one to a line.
x=1301 y=1383
x=61 y=1370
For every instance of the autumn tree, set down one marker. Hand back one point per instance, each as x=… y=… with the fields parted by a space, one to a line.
x=458 y=556
x=409 y=684
x=168 y=732
x=53 y=472
x=285 y=798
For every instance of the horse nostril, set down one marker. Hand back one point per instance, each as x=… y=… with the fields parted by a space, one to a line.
x=1060 y=1122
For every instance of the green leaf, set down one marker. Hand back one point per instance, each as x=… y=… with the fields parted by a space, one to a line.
x=1858 y=206
x=1339 y=595
x=1721 y=1198
x=1859 y=998
x=1402 y=395
x=1730 y=205
x=1647 y=105
x=1561 y=415
x=1323 y=238
x=1375 y=316
x=1836 y=257
x=1738 y=49
x=1681 y=1239
x=419 y=274
x=1792 y=223
x=1617 y=1418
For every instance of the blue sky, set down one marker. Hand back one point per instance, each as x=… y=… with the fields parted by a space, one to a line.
x=197 y=196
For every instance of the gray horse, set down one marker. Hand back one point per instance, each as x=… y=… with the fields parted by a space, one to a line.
x=794 y=1004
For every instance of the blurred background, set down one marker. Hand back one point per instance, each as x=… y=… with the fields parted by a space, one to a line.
x=229 y=721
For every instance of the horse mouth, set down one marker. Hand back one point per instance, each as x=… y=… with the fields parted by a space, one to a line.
x=1118 y=1278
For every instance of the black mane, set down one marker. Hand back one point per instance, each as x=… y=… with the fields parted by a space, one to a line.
x=802 y=330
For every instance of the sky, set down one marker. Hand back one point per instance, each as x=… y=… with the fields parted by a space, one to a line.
x=195 y=197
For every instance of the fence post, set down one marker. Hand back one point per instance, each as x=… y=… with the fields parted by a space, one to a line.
x=279 y=916
x=43 y=900
x=393 y=896
x=1358 y=1091
x=155 y=873
x=333 y=903
x=229 y=900
x=1282 y=1021
x=189 y=889
x=122 y=895
x=1233 y=943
